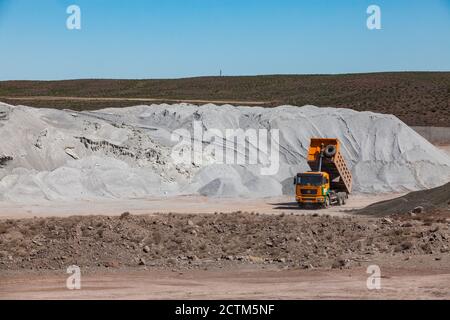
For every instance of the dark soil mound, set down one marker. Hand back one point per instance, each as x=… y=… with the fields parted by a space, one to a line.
x=436 y=198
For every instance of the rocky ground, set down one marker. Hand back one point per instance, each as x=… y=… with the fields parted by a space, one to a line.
x=186 y=241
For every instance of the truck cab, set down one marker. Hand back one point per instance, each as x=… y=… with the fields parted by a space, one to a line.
x=312 y=187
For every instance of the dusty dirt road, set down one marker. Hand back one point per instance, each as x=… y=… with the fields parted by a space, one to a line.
x=232 y=284
x=179 y=204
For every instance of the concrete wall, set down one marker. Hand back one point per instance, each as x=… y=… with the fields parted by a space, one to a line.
x=436 y=135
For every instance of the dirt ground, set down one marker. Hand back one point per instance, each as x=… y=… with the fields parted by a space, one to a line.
x=239 y=283
x=179 y=204
x=239 y=255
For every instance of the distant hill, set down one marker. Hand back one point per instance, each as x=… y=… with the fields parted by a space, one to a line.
x=418 y=98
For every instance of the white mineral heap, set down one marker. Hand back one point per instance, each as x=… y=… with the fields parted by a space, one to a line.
x=128 y=152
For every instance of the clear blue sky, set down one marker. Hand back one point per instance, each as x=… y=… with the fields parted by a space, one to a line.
x=184 y=38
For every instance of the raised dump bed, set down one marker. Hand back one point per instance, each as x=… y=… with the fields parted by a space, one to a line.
x=331 y=162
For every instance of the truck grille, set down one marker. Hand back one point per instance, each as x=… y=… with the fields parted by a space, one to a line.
x=308 y=191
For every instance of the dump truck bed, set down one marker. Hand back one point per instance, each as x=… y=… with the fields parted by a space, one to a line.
x=335 y=166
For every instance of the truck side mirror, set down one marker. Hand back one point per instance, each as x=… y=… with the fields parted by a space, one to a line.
x=295 y=181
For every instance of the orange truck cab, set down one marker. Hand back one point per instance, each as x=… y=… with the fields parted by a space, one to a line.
x=312 y=187
x=329 y=182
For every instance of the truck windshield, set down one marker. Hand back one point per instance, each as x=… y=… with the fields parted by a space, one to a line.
x=313 y=180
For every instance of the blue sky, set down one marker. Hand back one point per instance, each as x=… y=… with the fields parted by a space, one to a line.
x=185 y=38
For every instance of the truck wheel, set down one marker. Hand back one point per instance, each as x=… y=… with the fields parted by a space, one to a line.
x=344 y=197
x=326 y=204
x=330 y=151
x=340 y=200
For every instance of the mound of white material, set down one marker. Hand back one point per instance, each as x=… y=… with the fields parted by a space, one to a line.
x=127 y=152
x=90 y=177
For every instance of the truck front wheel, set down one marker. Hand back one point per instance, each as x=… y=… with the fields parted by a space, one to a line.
x=326 y=204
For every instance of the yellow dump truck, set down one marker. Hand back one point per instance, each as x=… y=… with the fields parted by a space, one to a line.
x=330 y=181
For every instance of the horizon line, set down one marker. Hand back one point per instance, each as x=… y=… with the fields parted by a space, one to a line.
x=233 y=76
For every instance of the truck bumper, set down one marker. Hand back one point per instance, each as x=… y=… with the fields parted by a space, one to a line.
x=319 y=199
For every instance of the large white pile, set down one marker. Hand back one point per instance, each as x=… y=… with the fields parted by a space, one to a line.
x=123 y=153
